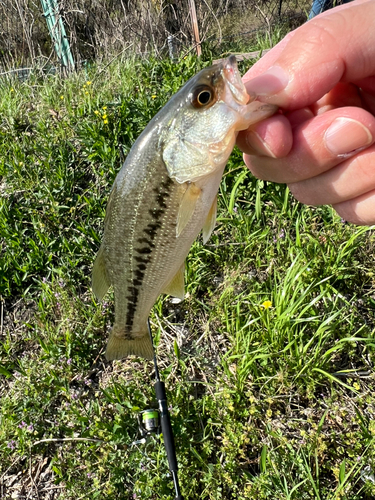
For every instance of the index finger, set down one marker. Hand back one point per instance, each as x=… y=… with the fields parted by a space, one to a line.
x=337 y=46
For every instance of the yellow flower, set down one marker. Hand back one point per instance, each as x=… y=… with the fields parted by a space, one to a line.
x=61 y=97
x=104 y=116
x=12 y=90
x=96 y=112
x=105 y=122
x=266 y=304
x=104 y=108
x=88 y=83
x=86 y=92
x=153 y=96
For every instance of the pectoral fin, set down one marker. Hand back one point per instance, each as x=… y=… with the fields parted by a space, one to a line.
x=176 y=287
x=210 y=221
x=187 y=207
x=100 y=279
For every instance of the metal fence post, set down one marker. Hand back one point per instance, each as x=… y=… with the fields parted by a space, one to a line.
x=58 y=34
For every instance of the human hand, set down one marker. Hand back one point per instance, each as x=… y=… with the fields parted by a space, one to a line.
x=322 y=76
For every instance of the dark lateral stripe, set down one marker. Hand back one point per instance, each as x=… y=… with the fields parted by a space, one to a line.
x=144 y=253
x=160 y=199
x=156 y=214
x=144 y=260
x=151 y=229
x=143 y=250
x=145 y=240
x=139 y=274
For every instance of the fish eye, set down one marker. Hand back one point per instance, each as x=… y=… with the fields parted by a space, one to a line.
x=203 y=96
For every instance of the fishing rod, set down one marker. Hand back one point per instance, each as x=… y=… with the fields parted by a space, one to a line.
x=165 y=422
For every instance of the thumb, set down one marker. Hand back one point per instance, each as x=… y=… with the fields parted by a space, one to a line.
x=337 y=46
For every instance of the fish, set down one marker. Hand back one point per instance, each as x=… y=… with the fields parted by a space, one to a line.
x=164 y=195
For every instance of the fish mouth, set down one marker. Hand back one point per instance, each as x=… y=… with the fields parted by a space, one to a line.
x=233 y=80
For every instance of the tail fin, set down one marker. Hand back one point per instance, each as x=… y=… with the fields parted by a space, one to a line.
x=119 y=347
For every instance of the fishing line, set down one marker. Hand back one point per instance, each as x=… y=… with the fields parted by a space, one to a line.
x=165 y=422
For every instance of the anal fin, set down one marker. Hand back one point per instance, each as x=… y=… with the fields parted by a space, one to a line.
x=187 y=207
x=100 y=280
x=210 y=221
x=119 y=346
x=176 y=287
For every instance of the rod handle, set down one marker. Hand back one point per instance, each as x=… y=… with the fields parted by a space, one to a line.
x=166 y=426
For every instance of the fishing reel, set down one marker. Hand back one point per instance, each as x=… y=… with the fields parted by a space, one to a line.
x=149 y=422
x=148 y=426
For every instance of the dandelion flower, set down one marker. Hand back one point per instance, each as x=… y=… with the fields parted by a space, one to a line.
x=86 y=92
x=105 y=122
x=153 y=96
x=61 y=97
x=104 y=116
x=266 y=304
x=88 y=83
x=104 y=108
x=96 y=112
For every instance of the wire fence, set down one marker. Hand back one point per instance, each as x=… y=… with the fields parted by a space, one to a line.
x=31 y=31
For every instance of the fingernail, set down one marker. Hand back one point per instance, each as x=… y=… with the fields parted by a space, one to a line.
x=269 y=83
x=255 y=142
x=345 y=136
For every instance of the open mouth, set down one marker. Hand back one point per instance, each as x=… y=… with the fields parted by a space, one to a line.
x=233 y=79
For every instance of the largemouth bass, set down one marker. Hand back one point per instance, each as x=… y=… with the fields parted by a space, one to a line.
x=165 y=193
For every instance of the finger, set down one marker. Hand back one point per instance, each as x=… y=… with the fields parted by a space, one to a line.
x=360 y=210
x=336 y=46
x=350 y=179
x=343 y=94
x=267 y=60
x=299 y=116
x=271 y=137
x=318 y=145
x=369 y=101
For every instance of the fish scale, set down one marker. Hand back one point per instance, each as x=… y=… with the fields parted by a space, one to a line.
x=164 y=195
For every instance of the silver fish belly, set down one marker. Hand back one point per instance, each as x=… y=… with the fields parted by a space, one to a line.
x=164 y=195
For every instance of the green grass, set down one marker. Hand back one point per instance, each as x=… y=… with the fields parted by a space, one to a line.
x=268 y=362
